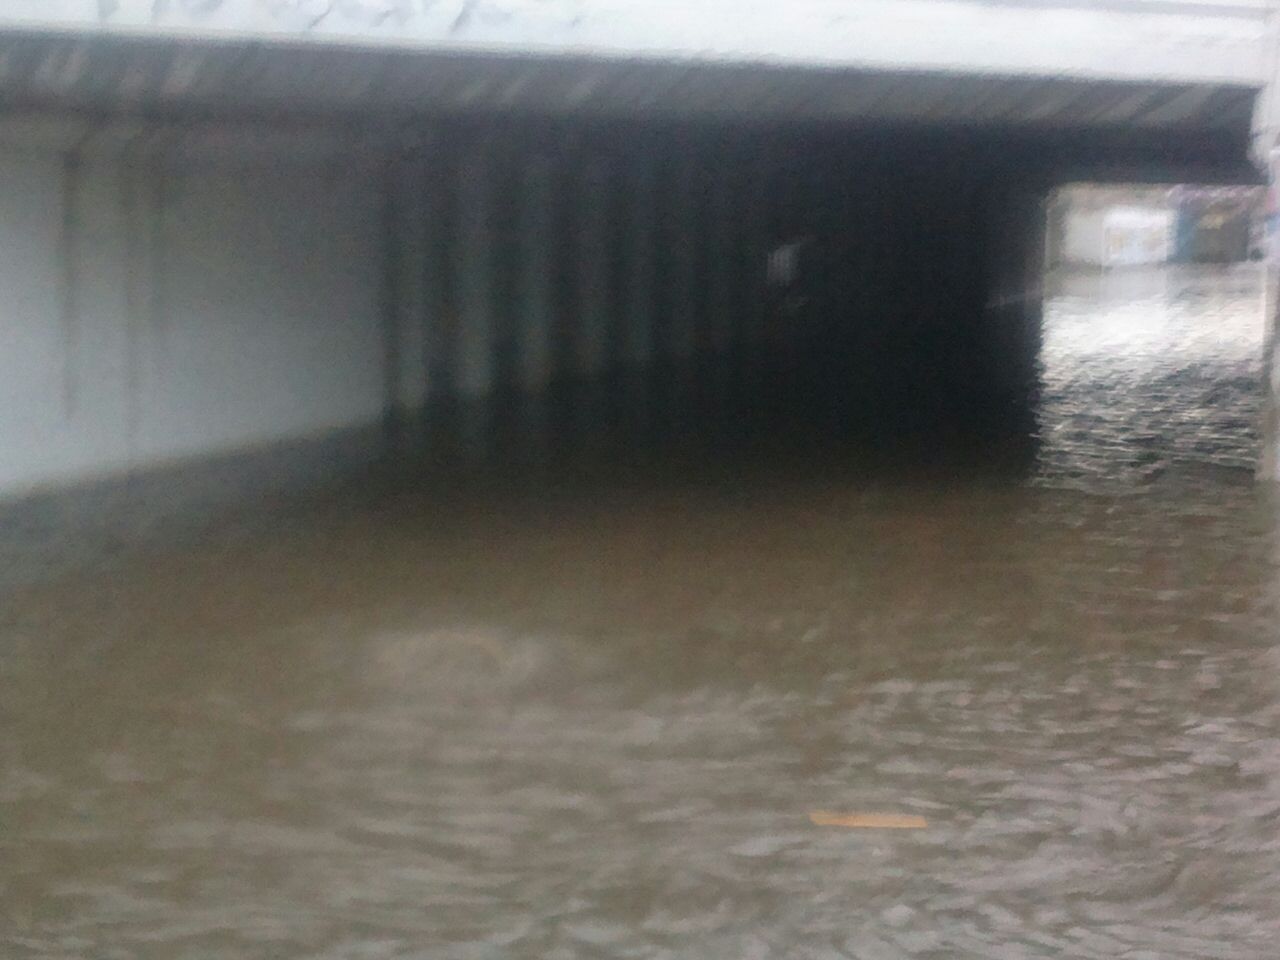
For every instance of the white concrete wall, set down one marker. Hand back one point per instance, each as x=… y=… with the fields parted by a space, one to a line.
x=164 y=303
x=181 y=291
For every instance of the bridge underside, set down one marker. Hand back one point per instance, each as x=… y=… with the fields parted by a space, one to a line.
x=225 y=245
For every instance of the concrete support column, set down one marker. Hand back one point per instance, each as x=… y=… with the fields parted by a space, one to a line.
x=758 y=202
x=474 y=267
x=505 y=161
x=722 y=268
x=410 y=259
x=564 y=274
x=592 y=254
x=145 y=249
x=702 y=176
x=965 y=346
x=684 y=212
x=843 y=325
x=639 y=255
x=100 y=338
x=438 y=276
x=464 y=337
x=393 y=295
x=812 y=331
x=723 y=233
x=1015 y=269
x=68 y=253
x=636 y=238
x=535 y=285
x=1269 y=463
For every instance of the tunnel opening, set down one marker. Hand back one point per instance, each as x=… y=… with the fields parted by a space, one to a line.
x=239 y=309
x=1156 y=304
x=512 y=255
x=844 y=277
x=735 y=289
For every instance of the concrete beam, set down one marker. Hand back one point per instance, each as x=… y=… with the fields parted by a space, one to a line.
x=1180 y=40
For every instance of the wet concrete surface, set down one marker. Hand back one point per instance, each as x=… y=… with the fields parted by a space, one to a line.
x=591 y=715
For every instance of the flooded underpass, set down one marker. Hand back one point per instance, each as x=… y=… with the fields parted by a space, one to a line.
x=641 y=716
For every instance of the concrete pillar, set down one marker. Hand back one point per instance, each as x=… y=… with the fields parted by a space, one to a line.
x=404 y=217
x=438 y=316
x=507 y=159
x=723 y=231
x=685 y=213
x=535 y=285
x=534 y=299
x=962 y=347
x=812 y=330
x=411 y=259
x=636 y=238
x=1269 y=463
x=70 y=318
x=592 y=254
x=722 y=267
x=143 y=242
x=1015 y=270
x=758 y=203
x=640 y=269
x=564 y=274
x=475 y=269
x=395 y=227
x=102 y=340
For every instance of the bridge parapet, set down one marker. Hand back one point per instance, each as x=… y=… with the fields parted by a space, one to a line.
x=1179 y=41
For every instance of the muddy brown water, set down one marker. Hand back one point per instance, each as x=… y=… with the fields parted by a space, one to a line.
x=594 y=721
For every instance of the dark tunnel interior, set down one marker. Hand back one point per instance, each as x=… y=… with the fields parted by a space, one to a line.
x=805 y=288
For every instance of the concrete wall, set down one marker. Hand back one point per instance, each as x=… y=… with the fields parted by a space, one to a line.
x=165 y=299
x=182 y=291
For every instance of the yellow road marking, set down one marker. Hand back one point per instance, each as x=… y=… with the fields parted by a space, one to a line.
x=868 y=821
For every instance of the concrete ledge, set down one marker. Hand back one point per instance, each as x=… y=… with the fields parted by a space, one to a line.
x=58 y=530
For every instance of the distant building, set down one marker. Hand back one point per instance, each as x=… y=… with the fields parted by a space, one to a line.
x=1114 y=226
x=1219 y=224
x=1120 y=236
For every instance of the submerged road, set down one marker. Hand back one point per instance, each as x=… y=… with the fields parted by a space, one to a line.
x=641 y=718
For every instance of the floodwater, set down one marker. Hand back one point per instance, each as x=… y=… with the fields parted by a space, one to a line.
x=595 y=720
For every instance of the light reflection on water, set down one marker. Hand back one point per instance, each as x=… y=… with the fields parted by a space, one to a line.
x=593 y=722
x=1148 y=372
